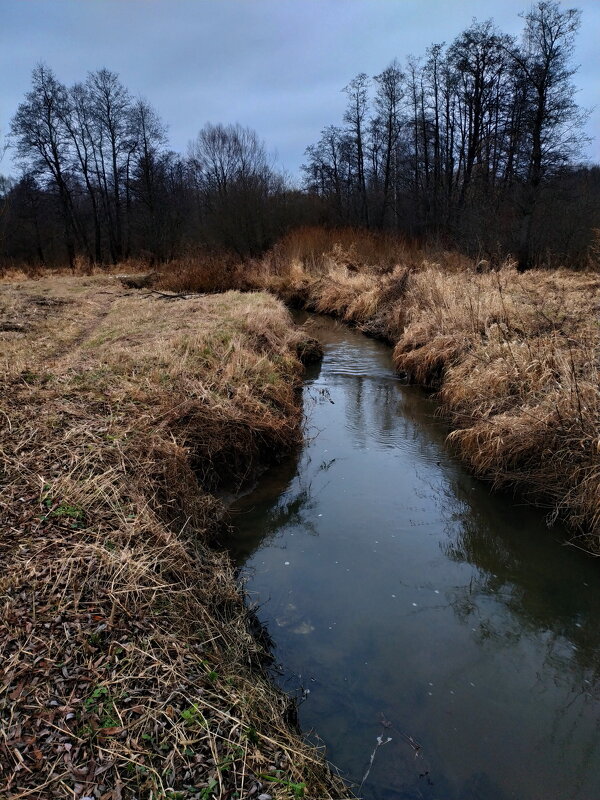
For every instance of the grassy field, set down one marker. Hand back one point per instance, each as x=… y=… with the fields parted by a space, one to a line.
x=514 y=357
x=129 y=664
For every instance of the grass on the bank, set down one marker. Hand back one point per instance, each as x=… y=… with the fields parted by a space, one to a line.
x=129 y=669
x=515 y=358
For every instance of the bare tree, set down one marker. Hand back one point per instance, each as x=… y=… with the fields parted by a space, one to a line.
x=552 y=119
x=110 y=104
x=5 y=186
x=236 y=184
x=475 y=143
x=326 y=170
x=42 y=142
x=355 y=116
x=78 y=120
x=479 y=58
x=147 y=135
x=388 y=99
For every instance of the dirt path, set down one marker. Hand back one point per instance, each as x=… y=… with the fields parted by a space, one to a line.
x=99 y=305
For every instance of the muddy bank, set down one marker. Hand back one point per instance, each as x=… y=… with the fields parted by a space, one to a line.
x=130 y=665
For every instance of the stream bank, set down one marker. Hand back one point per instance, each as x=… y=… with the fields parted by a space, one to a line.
x=513 y=357
x=130 y=668
x=407 y=601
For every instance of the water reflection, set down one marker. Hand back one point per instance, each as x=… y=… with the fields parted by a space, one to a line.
x=547 y=587
x=407 y=602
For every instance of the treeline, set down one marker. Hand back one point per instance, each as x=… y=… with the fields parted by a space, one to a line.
x=475 y=145
x=100 y=185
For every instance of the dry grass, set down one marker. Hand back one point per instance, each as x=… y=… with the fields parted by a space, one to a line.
x=318 y=249
x=514 y=357
x=129 y=665
x=14 y=273
x=202 y=272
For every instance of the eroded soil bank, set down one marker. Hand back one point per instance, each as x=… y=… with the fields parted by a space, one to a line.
x=129 y=668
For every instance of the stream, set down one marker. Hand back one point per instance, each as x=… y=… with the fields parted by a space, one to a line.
x=409 y=603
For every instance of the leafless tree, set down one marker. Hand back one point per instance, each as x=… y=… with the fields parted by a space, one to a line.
x=388 y=99
x=110 y=105
x=355 y=117
x=552 y=119
x=235 y=183
x=42 y=143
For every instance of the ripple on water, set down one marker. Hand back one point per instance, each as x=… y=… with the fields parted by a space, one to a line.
x=355 y=363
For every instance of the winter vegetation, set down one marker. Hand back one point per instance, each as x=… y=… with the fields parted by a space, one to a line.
x=512 y=356
x=130 y=663
x=448 y=213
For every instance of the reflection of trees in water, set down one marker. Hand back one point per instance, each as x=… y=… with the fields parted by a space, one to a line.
x=357 y=410
x=283 y=499
x=382 y=412
x=260 y=515
x=479 y=786
x=372 y=409
x=549 y=592
x=547 y=587
x=291 y=512
x=537 y=587
x=565 y=731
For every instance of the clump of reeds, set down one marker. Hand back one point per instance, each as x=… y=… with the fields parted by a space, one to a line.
x=515 y=360
x=129 y=668
x=201 y=272
x=317 y=249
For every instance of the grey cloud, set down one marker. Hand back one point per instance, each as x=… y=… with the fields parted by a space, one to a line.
x=276 y=65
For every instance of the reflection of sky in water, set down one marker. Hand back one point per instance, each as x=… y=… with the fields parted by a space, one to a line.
x=411 y=603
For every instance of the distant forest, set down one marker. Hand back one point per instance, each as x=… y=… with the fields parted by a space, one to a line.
x=475 y=145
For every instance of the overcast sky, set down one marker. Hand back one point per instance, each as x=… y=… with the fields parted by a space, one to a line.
x=275 y=65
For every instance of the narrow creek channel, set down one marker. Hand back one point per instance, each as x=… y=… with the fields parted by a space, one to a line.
x=406 y=601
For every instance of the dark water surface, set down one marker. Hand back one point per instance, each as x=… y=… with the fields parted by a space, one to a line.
x=413 y=604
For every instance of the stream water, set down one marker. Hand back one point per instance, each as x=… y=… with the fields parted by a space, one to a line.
x=408 y=602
